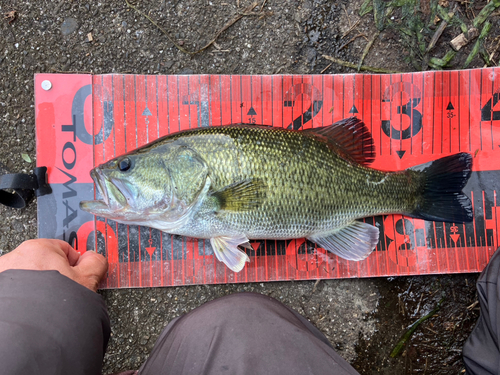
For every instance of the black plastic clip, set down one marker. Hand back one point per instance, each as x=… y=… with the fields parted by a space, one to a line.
x=23 y=187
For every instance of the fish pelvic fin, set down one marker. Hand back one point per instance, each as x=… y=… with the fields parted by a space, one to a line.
x=353 y=242
x=442 y=198
x=226 y=251
x=241 y=196
x=350 y=138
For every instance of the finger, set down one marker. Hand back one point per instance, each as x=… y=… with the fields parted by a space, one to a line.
x=91 y=267
x=68 y=250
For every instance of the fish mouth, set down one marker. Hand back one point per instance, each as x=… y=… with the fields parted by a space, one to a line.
x=100 y=185
x=112 y=200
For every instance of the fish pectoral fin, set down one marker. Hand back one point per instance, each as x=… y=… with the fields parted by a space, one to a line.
x=242 y=195
x=350 y=138
x=353 y=242
x=226 y=250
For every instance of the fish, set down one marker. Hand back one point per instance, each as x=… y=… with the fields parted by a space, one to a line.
x=234 y=183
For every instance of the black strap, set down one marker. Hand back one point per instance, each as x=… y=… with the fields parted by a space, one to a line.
x=23 y=187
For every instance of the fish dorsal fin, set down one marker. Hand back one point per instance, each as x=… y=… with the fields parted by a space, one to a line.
x=242 y=195
x=350 y=138
x=353 y=242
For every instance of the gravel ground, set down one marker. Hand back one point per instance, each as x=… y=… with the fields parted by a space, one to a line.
x=362 y=318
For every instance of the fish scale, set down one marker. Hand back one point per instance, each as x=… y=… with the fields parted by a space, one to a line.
x=315 y=191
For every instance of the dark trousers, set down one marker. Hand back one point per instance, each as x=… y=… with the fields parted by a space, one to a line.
x=51 y=325
x=481 y=352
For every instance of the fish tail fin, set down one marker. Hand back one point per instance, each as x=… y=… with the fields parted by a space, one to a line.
x=442 y=198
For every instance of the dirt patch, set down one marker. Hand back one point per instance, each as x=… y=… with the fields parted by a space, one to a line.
x=436 y=345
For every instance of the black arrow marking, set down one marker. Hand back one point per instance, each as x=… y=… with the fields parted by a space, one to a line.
x=147 y=112
x=251 y=112
x=354 y=109
x=450 y=107
x=400 y=153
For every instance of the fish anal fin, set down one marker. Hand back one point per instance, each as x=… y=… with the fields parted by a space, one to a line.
x=241 y=196
x=226 y=251
x=350 y=138
x=353 y=242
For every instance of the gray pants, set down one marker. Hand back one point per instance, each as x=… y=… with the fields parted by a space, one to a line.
x=481 y=351
x=51 y=325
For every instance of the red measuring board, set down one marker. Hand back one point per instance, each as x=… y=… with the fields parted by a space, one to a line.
x=85 y=120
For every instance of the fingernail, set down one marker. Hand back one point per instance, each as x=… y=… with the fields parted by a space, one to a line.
x=90 y=251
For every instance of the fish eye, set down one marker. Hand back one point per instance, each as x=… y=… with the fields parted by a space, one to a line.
x=124 y=164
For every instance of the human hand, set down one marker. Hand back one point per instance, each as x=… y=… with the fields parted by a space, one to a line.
x=44 y=255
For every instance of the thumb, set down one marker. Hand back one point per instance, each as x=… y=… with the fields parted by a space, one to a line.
x=91 y=268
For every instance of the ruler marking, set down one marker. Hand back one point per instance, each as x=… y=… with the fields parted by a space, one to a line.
x=407 y=266
x=390 y=114
x=449 y=120
x=146 y=98
x=380 y=114
x=135 y=103
x=496 y=219
x=411 y=113
x=282 y=98
x=106 y=252
x=125 y=140
x=150 y=264
x=481 y=106
x=401 y=113
x=466 y=248
x=172 y=263
x=433 y=111
x=458 y=267
x=423 y=109
x=440 y=114
x=94 y=161
x=343 y=96
x=492 y=106
x=470 y=143
x=354 y=94
x=157 y=111
x=272 y=101
x=485 y=229
x=161 y=259
x=241 y=97
x=118 y=278
x=458 y=110
x=231 y=97
x=474 y=224
x=168 y=105
x=446 y=248
x=251 y=94
x=220 y=98
x=178 y=105
x=438 y=263
x=187 y=78
x=333 y=100
x=261 y=100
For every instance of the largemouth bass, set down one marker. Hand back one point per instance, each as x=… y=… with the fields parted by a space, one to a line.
x=233 y=183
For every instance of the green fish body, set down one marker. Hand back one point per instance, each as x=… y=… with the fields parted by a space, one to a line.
x=233 y=183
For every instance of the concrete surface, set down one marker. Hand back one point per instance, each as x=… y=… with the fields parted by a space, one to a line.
x=358 y=316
